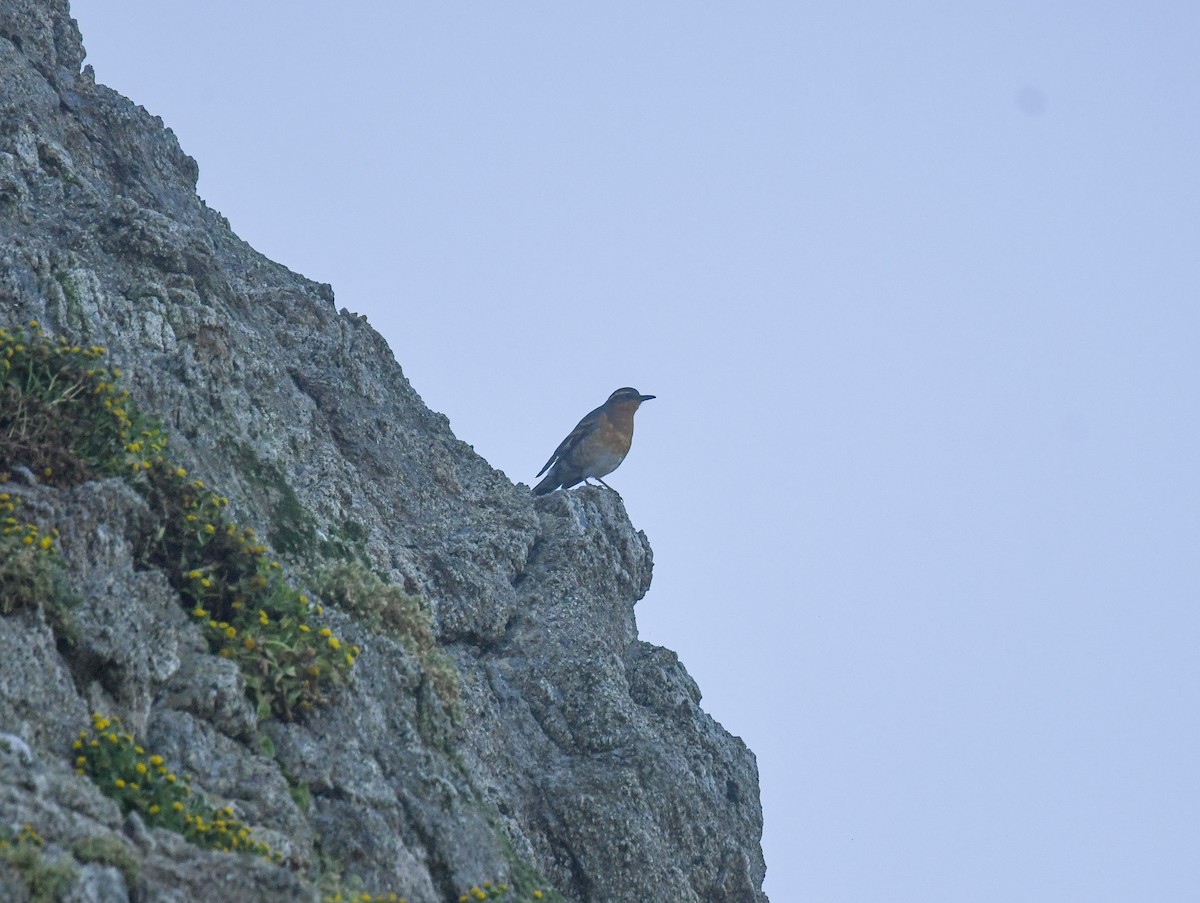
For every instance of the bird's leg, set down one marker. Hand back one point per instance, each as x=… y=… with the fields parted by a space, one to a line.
x=606 y=486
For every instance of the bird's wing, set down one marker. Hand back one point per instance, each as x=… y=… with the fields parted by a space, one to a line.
x=585 y=426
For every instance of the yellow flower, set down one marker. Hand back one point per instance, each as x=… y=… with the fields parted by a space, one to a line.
x=194 y=575
x=180 y=472
x=199 y=612
x=304 y=628
x=154 y=809
x=249 y=643
x=325 y=631
x=140 y=768
x=156 y=760
x=334 y=643
x=177 y=806
x=120 y=783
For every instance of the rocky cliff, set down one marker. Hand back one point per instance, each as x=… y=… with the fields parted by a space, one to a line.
x=497 y=718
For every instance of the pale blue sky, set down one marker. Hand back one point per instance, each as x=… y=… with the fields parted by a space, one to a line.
x=916 y=286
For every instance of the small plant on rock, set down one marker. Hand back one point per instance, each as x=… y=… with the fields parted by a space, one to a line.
x=45 y=881
x=30 y=571
x=290 y=660
x=145 y=784
x=489 y=891
x=386 y=608
x=62 y=414
x=28 y=559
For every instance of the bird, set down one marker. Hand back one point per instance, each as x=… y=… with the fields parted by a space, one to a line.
x=597 y=445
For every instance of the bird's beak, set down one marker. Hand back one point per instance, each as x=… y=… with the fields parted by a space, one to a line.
x=646 y=397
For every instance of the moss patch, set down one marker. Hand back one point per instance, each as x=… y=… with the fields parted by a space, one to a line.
x=107 y=850
x=387 y=609
x=45 y=880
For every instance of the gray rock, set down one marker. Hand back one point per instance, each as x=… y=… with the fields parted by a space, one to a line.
x=577 y=751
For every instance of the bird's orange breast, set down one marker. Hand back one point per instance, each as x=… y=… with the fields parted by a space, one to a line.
x=605 y=447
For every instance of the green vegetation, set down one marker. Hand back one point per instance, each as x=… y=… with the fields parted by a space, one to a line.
x=30 y=571
x=489 y=891
x=107 y=850
x=485 y=891
x=290 y=660
x=385 y=608
x=339 y=894
x=28 y=560
x=524 y=876
x=45 y=881
x=294 y=532
x=63 y=416
x=144 y=784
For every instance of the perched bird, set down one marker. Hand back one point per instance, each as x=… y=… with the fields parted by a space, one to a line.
x=596 y=447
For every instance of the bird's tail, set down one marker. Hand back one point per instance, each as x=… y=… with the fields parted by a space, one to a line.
x=549 y=483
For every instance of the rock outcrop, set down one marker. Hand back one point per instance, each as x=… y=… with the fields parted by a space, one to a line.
x=576 y=756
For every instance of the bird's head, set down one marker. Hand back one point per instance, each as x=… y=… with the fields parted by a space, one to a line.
x=628 y=395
